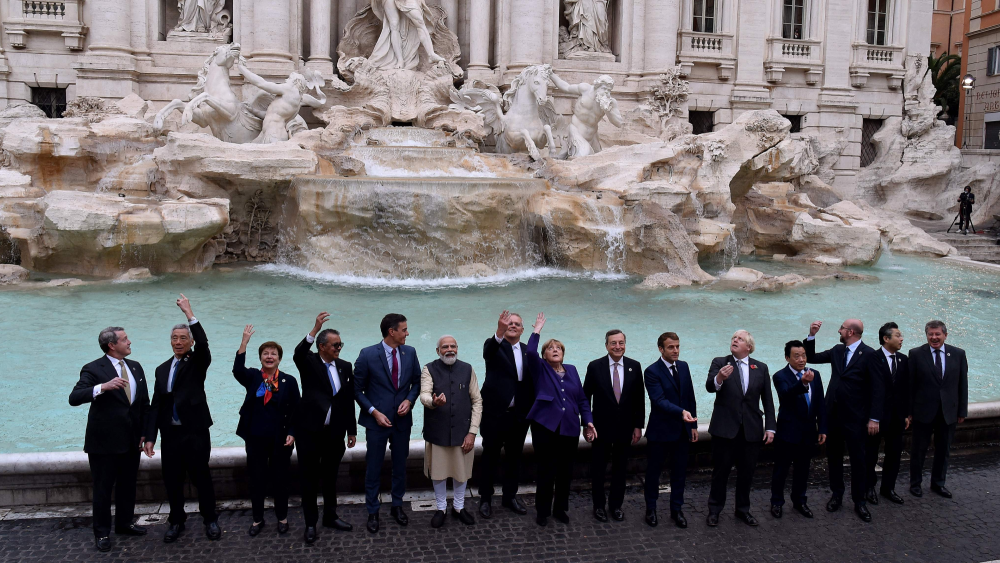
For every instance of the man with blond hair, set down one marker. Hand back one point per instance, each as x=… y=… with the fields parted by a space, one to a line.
x=741 y=385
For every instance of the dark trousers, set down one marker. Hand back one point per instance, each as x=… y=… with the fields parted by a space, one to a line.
x=185 y=452
x=554 y=454
x=892 y=434
x=618 y=448
x=398 y=439
x=656 y=455
x=943 y=434
x=852 y=437
x=725 y=454
x=320 y=454
x=267 y=464
x=115 y=472
x=797 y=457
x=509 y=436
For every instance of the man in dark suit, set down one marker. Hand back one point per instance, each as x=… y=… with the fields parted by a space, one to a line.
x=326 y=415
x=801 y=428
x=939 y=391
x=613 y=384
x=387 y=382
x=179 y=411
x=742 y=385
x=890 y=379
x=116 y=390
x=849 y=404
x=508 y=393
x=673 y=425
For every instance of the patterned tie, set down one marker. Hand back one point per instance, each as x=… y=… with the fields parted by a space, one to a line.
x=937 y=366
x=616 y=383
x=124 y=375
x=893 y=371
x=395 y=369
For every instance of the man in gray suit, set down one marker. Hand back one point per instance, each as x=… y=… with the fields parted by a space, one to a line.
x=939 y=389
x=741 y=385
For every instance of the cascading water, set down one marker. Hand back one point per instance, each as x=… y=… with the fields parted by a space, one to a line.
x=614 y=234
x=731 y=255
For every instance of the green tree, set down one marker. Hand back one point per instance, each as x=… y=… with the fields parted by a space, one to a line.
x=945 y=71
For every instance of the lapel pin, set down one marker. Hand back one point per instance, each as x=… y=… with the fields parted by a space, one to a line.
x=282 y=380
x=948 y=354
x=630 y=369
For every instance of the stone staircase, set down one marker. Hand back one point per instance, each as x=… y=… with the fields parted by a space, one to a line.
x=982 y=248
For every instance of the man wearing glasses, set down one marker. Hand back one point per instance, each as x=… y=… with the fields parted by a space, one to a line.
x=326 y=415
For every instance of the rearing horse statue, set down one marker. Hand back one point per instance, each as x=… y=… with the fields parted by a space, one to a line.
x=213 y=104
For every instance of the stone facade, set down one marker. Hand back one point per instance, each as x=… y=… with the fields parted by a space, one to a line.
x=823 y=66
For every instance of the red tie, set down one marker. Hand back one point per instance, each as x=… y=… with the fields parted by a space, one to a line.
x=395 y=369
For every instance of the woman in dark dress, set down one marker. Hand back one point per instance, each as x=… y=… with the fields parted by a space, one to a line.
x=266 y=427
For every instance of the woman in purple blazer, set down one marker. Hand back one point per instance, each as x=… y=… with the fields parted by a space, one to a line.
x=555 y=417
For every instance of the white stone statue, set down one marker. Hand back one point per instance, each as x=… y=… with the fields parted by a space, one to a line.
x=213 y=104
x=588 y=27
x=204 y=16
x=281 y=120
x=404 y=32
x=527 y=124
x=594 y=102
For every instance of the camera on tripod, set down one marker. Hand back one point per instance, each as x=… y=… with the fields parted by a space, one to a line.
x=964 y=218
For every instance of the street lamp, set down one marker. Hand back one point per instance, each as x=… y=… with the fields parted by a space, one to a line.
x=968 y=83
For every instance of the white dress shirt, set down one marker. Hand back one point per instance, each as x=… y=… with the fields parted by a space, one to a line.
x=119 y=365
x=518 y=361
x=850 y=349
x=943 y=356
x=744 y=367
x=621 y=370
x=334 y=375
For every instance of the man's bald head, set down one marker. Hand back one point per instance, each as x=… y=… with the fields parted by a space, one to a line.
x=850 y=331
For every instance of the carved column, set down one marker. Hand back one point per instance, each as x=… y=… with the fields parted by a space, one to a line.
x=107 y=69
x=662 y=18
x=525 y=35
x=272 y=35
x=319 y=36
x=479 y=40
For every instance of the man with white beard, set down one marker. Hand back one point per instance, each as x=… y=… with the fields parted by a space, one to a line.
x=453 y=408
x=593 y=103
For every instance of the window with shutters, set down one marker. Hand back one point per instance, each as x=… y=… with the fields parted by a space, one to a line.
x=792 y=18
x=993 y=61
x=704 y=16
x=878 y=22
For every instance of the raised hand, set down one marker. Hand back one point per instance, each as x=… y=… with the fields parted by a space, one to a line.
x=439 y=399
x=247 y=333
x=814 y=327
x=724 y=373
x=503 y=323
x=185 y=306
x=320 y=319
x=539 y=323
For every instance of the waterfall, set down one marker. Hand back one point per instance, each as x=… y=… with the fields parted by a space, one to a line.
x=731 y=254
x=613 y=241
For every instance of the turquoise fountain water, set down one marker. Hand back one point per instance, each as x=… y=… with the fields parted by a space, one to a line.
x=49 y=334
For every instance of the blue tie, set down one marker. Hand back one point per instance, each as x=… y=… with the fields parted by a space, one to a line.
x=808 y=402
x=170 y=389
x=333 y=383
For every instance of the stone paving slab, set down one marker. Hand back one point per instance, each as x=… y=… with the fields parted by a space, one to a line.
x=930 y=529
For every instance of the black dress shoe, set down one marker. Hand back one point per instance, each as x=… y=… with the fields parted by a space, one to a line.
x=804 y=510
x=941 y=491
x=338 y=524
x=712 y=520
x=541 y=520
x=486 y=508
x=678 y=517
x=747 y=518
x=516 y=505
x=651 y=517
x=283 y=527
x=776 y=510
x=438 y=519
x=464 y=516
x=373 y=523
x=601 y=515
x=892 y=496
x=174 y=531
x=401 y=518
x=834 y=504
x=255 y=529
x=103 y=544
x=862 y=512
x=618 y=515
x=212 y=531
x=871 y=497
x=916 y=491
x=310 y=535
x=132 y=530
x=561 y=516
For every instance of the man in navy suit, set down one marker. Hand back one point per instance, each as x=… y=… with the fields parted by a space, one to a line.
x=673 y=424
x=888 y=371
x=849 y=404
x=386 y=383
x=801 y=427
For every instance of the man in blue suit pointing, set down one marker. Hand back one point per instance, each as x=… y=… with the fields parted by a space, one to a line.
x=386 y=384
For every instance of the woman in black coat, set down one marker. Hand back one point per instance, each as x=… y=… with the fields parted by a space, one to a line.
x=266 y=427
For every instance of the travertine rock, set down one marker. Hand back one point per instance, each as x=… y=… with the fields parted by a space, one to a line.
x=11 y=274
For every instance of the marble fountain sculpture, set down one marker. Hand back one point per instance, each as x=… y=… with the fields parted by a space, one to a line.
x=112 y=189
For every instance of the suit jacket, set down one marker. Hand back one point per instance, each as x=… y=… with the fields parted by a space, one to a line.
x=734 y=408
x=928 y=394
x=668 y=398
x=113 y=426
x=285 y=399
x=799 y=421
x=850 y=392
x=318 y=397
x=188 y=392
x=501 y=385
x=560 y=403
x=616 y=418
x=373 y=385
x=895 y=405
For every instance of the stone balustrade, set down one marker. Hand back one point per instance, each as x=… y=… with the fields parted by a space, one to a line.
x=707 y=48
x=877 y=59
x=782 y=54
x=26 y=17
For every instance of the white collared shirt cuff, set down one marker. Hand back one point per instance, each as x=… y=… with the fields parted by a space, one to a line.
x=371 y=410
x=498 y=339
x=717 y=384
x=97 y=390
x=810 y=338
x=193 y=321
x=310 y=338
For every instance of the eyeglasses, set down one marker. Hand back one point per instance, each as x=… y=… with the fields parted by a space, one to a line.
x=338 y=345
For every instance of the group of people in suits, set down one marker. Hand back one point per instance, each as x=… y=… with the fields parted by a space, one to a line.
x=872 y=397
